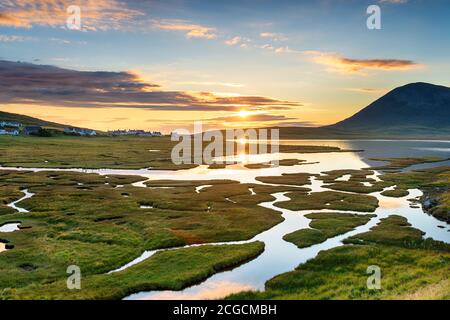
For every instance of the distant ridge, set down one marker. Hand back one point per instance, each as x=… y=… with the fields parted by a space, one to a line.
x=414 y=111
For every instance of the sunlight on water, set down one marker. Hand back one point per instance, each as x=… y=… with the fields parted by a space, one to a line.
x=214 y=290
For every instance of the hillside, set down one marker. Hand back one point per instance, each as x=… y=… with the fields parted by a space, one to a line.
x=26 y=120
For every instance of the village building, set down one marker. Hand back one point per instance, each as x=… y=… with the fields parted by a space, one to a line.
x=10 y=124
x=4 y=132
x=134 y=132
x=80 y=131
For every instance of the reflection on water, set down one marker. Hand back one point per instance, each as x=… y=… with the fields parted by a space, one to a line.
x=389 y=203
x=10 y=227
x=200 y=188
x=387 y=148
x=14 y=204
x=210 y=291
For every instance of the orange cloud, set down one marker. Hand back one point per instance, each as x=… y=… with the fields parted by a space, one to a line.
x=26 y=83
x=191 y=30
x=341 y=64
x=95 y=15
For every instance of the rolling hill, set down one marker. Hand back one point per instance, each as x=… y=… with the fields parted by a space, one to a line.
x=26 y=120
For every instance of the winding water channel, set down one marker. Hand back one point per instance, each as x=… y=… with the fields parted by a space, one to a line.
x=280 y=256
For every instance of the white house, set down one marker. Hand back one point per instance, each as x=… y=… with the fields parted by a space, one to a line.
x=11 y=124
x=134 y=132
x=80 y=132
x=4 y=132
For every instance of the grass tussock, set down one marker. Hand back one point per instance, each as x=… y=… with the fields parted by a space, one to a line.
x=324 y=226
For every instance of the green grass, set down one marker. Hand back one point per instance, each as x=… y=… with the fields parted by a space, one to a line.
x=400 y=163
x=325 y=225
x=290 y=162
x=88 y=152
x=102 y=152
x=396 y=193
x=411 y=267
x=282 y=162
x=396 y=231
x=100 y=227
x=297 y=179
x=8 y=194
x=355 y=183
x=166 y=270
x=329 y=200
x=433 y=182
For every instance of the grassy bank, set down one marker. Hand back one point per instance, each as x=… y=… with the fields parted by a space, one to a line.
x=411 y=267
x=166 y=270
x=394 y=164
x=325 y=225
x=329 y=200
x=434 y=182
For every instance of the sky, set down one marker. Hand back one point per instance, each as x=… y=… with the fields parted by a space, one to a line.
x=160 y=65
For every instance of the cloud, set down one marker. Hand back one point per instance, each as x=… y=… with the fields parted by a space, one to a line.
x=368 y=90
x=212 y=83
x=258 y=117
x=233 y=41
x=27 y=83
x=342 y=64
x=267 y=47
x=394 y=1
x=285 y=49
x=273 y=36
x=65 y=41
x=296 y=124
x=13 y=38
x=189 y=29
x=95 y=15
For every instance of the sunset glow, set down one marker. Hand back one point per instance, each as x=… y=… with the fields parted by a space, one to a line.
x=290 y=64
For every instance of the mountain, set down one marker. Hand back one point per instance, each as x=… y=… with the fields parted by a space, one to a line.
x=26 y=120
x=416 y=110
x=413 y=105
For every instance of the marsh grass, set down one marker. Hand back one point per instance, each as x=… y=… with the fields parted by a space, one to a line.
x=166 y=270
x=417 y=271
x=325 y=225
x=98 y=229
x=329 y=200
x=297 y=179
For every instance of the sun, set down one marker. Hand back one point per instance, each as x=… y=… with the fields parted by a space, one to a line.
x=243 y=141
x=243 y=113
